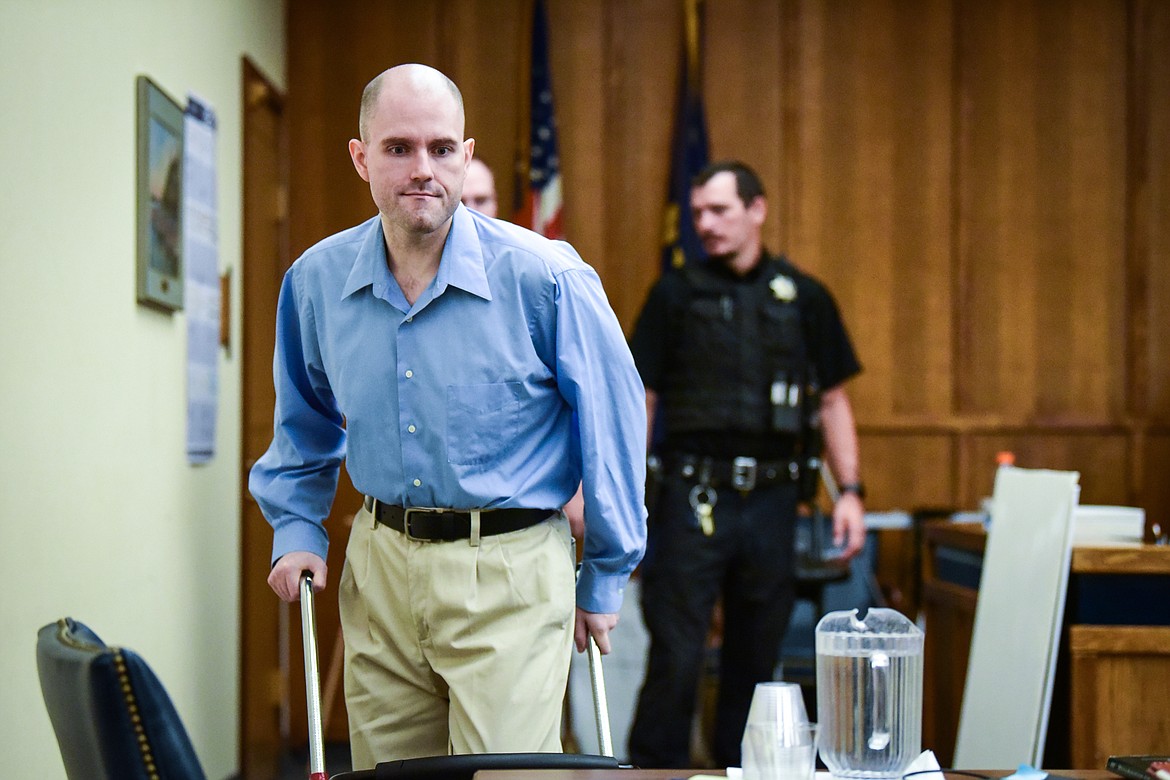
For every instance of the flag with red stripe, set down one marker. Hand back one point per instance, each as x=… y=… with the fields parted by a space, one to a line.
x=540 y=191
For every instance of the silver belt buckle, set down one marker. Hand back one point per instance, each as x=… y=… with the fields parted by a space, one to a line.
x=743 y=473
x=419 y=510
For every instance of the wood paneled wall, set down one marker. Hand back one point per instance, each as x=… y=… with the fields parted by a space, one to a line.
x=984 y=185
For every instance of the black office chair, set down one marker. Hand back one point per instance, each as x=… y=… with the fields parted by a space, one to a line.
x=112 y=717
x=816 y=567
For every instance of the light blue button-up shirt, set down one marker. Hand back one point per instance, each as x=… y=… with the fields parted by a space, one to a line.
x=506 y=384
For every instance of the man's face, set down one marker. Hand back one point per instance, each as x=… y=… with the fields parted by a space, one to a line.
x=725 y=224
x=479 y=189
x=414 y=156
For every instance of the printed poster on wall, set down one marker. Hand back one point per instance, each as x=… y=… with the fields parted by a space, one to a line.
x=201 y=291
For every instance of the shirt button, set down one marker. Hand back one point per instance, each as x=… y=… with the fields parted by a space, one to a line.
x=410 y=319
x=410 y=428
x=417 y=482
x=409 y=373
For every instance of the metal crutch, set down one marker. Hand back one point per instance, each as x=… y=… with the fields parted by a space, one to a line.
x=312 y=678
x=600 y=707
x=597 y=681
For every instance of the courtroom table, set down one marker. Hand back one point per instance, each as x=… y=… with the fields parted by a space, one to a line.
x=1113 y=665
x=683 y=774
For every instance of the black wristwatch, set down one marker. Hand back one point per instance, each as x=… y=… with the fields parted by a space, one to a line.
x=856 y=488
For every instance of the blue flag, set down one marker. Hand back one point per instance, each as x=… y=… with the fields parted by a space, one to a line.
x=680 y=243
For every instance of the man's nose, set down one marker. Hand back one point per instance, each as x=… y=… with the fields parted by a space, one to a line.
x=422 y=169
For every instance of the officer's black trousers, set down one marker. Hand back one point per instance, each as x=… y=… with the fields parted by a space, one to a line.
x=750 y=561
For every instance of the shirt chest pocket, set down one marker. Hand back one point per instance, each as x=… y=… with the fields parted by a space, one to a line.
x=481 y=421
x=781 y=330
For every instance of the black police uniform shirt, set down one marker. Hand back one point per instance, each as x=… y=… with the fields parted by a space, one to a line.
x=657 y=340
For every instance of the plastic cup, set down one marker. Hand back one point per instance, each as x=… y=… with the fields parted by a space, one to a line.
x=777 y=702
x=774 y=751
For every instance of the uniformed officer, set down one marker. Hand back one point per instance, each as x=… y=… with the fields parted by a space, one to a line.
x=744 y=358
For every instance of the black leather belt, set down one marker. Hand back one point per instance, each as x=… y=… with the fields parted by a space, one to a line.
x=427 y=524
x=738 y=473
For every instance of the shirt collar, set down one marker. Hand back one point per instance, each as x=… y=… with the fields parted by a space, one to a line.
x=462 y=263
x=369 y=267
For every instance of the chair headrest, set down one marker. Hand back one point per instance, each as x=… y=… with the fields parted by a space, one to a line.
x=111 y=714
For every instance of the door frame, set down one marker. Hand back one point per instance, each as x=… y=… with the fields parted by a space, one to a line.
x=264 y=723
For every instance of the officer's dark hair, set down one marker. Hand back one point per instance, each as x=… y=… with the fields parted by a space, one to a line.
x=747 y=184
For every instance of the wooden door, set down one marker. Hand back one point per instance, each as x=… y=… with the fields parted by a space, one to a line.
x=263 y=716
x=273 y=716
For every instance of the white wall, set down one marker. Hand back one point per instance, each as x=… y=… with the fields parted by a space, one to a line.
x=101 y=518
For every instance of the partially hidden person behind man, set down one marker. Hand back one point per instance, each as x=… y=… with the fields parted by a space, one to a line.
x=743 y=357
x=471 y=374
x=479 y=189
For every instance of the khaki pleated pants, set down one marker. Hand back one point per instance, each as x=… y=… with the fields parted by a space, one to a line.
x=452 y=647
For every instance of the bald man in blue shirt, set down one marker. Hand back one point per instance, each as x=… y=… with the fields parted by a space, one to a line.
x=472 y=374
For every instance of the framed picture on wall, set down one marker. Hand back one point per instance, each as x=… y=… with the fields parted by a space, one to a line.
x=159 y=198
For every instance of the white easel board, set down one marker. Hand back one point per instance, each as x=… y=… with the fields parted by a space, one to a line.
x=1018 y=617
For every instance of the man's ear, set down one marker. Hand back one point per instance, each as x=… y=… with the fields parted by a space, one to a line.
x=468 y=151
x=357 y=153
x=758 y=209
